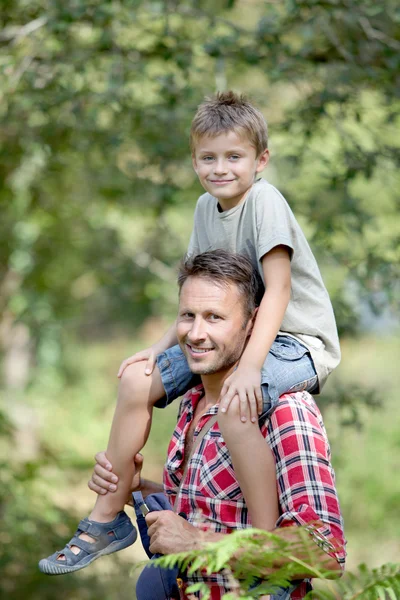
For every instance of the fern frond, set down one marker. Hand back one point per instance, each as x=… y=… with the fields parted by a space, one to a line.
x=372 y=584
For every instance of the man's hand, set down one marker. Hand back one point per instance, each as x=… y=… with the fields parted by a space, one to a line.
x=103 y=480
x=245 y=383
x=170 y=533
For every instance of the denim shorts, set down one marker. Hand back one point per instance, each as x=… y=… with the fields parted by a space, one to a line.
x=287 y=368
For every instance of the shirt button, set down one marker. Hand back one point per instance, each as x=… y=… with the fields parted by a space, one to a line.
x=178 y=455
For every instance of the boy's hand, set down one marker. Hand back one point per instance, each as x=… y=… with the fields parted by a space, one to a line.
x=149 y=355
x=245 y=382
x=103 y=480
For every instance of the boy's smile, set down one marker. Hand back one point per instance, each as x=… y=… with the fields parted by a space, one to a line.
x=227 y=165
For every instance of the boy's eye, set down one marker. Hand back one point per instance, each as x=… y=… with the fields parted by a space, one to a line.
x=208 y=158
x=234 y=157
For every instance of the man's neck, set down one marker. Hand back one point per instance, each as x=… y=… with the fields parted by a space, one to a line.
x=213 y=385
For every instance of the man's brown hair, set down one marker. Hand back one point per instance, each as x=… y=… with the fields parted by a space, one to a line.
x=223 y=268
x=227 y=111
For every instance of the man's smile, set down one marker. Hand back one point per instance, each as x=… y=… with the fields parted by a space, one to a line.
x=196 y=351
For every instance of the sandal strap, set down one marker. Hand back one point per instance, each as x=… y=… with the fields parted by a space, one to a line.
x=70 y=557
x=92 y=529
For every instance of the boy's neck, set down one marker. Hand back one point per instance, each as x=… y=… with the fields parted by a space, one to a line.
x=227 y=204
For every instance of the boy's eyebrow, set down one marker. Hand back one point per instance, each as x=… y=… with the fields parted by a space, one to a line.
x=206 y=151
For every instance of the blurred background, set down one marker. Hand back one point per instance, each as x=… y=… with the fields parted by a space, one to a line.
x=97 y=196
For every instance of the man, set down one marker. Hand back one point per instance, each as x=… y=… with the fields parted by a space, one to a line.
x=217 y=309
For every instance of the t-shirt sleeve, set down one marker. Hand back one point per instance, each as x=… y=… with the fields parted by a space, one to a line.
x=274 y=221
x=194 y=242
x=305 y=477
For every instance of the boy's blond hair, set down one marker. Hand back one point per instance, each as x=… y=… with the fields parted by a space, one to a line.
x=227 y=111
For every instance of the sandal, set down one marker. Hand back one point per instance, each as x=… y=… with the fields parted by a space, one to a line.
x=109 y=537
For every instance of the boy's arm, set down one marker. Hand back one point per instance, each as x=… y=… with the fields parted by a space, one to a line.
x=245 y=381
x=150 y=354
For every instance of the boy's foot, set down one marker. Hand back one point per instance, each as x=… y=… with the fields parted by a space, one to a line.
x=107 y=538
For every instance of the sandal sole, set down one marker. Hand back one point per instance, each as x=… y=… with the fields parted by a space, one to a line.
x=49 y=568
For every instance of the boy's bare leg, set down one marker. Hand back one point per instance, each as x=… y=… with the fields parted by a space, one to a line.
x=130 y=428
x=254 y=466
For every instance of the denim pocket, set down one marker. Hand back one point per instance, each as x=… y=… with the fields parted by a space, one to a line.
x=287 y=348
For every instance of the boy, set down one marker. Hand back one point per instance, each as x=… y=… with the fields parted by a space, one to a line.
x=293 y=345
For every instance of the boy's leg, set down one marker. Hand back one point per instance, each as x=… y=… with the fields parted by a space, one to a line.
x=254 y=466
x=287 y=368
x=130 y=429
x=137 y=395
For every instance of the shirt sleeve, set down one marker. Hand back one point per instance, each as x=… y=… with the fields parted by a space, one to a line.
x=274 y=221
x=305 y=477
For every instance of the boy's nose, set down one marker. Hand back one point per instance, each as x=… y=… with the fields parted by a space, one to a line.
x=220 y=167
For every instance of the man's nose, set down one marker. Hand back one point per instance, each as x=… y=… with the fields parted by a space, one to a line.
x=197 y=331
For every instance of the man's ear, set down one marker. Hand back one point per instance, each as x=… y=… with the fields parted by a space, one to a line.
x=251 y=321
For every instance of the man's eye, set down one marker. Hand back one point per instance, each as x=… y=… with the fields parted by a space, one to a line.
x=186 y=315
x=214 y=318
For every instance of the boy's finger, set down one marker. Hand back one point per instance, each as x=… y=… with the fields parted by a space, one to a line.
x=259 y=399
x=226 y=400
x=252 y=407
x=243 y=406
x=122 y=368
x=150 y=365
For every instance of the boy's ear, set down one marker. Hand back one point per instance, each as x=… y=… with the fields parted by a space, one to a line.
x=263 y=160
x=194 y=163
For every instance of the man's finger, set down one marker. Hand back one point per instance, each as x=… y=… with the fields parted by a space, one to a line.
x=95 y=488
x=101 y=459
x=152 y=517
x=103 y=483
x=105 y=474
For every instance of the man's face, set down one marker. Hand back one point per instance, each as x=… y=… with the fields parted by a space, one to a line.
x=226 y=166
x=211 y=328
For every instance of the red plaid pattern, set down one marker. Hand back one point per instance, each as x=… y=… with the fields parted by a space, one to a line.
x=211 y=496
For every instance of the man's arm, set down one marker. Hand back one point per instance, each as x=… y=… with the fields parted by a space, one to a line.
x=169 y=534
x=103 y=480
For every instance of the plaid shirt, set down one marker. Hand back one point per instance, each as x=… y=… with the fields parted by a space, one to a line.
x=211 y=496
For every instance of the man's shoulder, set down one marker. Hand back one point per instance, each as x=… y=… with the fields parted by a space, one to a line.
x=295 y=407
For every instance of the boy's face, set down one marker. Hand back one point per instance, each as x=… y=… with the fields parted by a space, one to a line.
x=227 y=165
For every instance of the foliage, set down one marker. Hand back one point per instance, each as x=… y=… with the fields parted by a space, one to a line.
x=94 y=181
x=248 y=555
x=97 y=190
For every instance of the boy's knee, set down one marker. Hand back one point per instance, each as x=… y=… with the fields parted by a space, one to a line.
x=133 y=383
